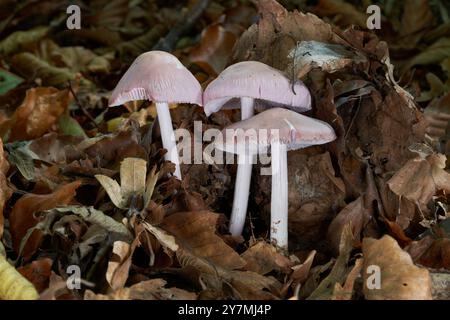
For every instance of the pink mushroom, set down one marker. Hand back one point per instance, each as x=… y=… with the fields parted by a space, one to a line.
x=250 y=81
x=286 y=130
x=160 y=77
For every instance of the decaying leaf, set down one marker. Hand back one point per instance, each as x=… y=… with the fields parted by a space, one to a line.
x=420 y=179
x=345 y=292
x=13 y=286
x=132 y=182
x=196 y=232
x=94 y=216
x=119 y=264
x=399 y=278
x=39 y=111
x=328 y=57
x=23 y=216
x=38 y=273
x=263 y=258
x=337 y=274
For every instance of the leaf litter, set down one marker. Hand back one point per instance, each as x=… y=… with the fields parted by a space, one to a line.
x=87 y=185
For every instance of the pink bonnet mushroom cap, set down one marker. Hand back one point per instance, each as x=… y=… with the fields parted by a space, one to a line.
x=157 y=76
x=256 y=134
x=256 y=80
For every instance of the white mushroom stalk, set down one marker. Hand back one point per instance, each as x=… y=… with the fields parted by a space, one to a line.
x=288 y=131
x=243 y=178
x=250 y=80
x=168 y=136
x=279 y=202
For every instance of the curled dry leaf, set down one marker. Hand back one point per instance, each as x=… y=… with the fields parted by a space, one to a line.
x=14 y=286
x=132 y=182
x=39 y=111
x=23 y=216
x=345 y=292
x=300 y=272
x=400 y=278
x=56 y=289
x=328 y=57
x=119 y=263
x=38 y=273
x=196 y=232
x=421 y=178
x=356 y=214
x=263 y=258
x=339 y=271
x=214 y=49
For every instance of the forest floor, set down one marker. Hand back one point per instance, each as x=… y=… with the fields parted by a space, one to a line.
x=367 y=211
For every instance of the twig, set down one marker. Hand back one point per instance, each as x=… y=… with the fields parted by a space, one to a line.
x=80 y=105
x=185 y=24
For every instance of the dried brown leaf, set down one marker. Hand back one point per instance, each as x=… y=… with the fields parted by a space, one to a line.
x=38 y=273
x=23 y=216
x=400 y=278
x=37 y=114
x=420 y=179
x=196 y=231
x=263 y=258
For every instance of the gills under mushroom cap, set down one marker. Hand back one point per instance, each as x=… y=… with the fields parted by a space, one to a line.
x=258 y=81
x=157 y=76
x=255 y=135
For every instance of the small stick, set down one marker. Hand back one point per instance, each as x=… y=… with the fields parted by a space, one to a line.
x=86 y=113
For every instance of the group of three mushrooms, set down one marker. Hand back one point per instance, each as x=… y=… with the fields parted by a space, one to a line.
x=160 y=77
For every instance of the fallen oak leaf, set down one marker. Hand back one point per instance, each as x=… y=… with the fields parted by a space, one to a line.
x=400 y=278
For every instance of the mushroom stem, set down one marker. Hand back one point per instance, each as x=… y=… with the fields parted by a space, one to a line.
x=241 y=194
x=279 y=201
x=168 y=136
x=247 y=109
x=243 y=178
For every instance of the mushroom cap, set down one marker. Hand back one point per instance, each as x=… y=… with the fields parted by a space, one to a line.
x=256 y=134
x=160 y=77
x=256 y=80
